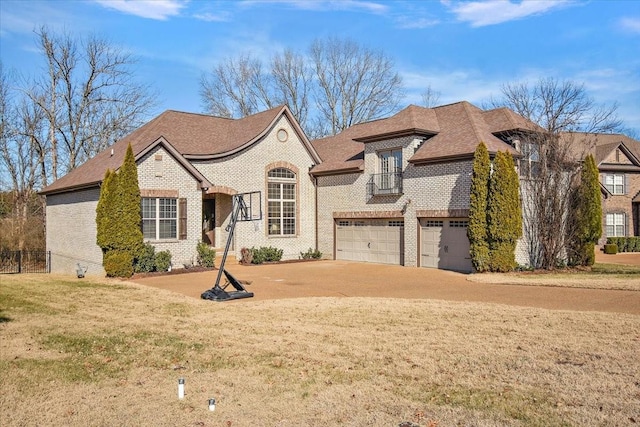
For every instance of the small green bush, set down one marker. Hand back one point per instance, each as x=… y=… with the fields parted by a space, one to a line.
x=118 y=264
x=163 y=260
x=266 y=254
x=610 y=249
x=206 y=255
x=311 y=254
x=146 y=261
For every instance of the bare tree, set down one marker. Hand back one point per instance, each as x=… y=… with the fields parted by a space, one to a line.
x=235 y=88
x=430 y=97
x=292 y=81
x=355 y=84
x=19 y=162
x=340 y=84
x=88 y=96
x=85 y=99
x=568 y=120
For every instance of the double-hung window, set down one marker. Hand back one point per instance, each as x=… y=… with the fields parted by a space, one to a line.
x=615 y=224
x=614 y=182
x=159 y=218
x=281 y=195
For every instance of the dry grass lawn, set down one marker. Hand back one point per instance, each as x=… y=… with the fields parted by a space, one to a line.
x=108 y=353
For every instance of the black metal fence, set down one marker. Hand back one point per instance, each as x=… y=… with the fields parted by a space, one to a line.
x=25 y=262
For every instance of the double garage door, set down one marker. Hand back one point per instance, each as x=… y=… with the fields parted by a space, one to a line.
x=444 y=244
x=370 y=240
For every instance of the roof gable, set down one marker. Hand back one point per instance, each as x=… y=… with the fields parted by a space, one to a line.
x=452 y=132
x=189 y=136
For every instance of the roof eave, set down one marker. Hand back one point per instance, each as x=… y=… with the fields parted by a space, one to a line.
x=84 y=186
x=396 y=134
x=341 y=171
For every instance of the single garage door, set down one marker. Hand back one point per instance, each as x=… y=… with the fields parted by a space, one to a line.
x=380 y=241
x=444 y=244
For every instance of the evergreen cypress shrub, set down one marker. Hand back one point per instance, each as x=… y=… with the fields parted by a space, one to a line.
x=477 y=230
x=118 y=263
x=103 y=216
x=128 y=233
x=504 y=214
x=587 y=215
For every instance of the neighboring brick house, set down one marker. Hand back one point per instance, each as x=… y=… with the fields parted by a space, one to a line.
x=618 y=160
x=189 y=166
x=396 y=190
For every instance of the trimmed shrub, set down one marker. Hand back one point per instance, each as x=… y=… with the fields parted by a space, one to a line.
x=311 y=254
x=206 y=255
x=146 y=261
x=610 y=249
x=118 y=264
x=163 y=261
x=266 y=254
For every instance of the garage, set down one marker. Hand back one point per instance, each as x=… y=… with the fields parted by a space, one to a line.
x=444 y=244
x=370 y=240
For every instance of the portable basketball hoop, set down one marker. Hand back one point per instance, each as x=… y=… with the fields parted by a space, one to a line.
x=246 y=207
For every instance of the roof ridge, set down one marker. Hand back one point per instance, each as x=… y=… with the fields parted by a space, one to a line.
x=467 y=108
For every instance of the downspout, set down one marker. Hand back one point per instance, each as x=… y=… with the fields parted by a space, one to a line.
x=315 y=179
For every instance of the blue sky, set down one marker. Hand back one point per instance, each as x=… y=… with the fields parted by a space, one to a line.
x=463 y=50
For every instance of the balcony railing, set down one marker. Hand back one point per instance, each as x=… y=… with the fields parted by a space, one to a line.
x=385 y=184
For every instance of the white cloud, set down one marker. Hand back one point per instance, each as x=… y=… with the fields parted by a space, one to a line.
x=491 y=12
x=212 y=17
x=631 y=25
x=325 y=5
x=152 y=9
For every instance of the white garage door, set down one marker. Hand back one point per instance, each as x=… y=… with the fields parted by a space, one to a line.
x=444 y=244
x=380 y=241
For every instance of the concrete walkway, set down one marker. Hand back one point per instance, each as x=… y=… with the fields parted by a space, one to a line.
x=353 y=279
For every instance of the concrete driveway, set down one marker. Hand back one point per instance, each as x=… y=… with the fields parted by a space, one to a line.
x=352 y=279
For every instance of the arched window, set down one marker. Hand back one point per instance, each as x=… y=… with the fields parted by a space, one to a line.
x=281 y=199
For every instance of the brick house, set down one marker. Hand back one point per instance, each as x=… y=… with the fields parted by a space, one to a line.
x=618 y=160
x=394 y=190
x=189 y=166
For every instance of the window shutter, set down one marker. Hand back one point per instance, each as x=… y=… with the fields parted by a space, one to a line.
x=626 y=183
x=626 y=225
x=182 y=223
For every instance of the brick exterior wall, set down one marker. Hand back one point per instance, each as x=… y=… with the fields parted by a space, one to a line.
x=622 y=203
x=247 y=171
x=71 y=232
x=440 y=189
x=170 y=179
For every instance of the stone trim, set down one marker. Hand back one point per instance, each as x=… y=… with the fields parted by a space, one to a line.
x=444 y=213
x=221 y=189
x=368 y=214
x=159 y=193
